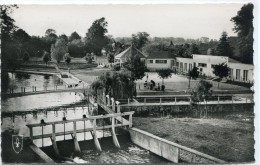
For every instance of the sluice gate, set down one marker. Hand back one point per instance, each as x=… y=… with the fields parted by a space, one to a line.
x=116 y=120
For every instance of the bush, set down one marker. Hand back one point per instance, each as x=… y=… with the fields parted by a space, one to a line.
x=116 y=67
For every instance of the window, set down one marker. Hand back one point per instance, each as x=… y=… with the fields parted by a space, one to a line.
x=161 y=61
x=231 y=73
x=185 y=67
x=181 y=66
x=245 y=75
x=177 y=64
x=150 y=61
x=201 y=69
x=190 y=66
x=202 y=65
x=237 y=74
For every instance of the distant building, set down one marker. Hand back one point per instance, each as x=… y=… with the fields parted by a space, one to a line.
x=124 y=55
x=160 y=60
x=238 y=71
x=204 y=39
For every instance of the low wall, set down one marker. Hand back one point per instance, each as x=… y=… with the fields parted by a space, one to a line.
x=169 y=150
x=175 y=109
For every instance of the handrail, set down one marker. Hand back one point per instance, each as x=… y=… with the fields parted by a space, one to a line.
x=82 y=119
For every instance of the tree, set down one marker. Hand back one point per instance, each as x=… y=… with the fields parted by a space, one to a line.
x=224 y=48
x=201 y=92
x=67 y=58
x=10 y=48
x=244 y=27
x=63 y=36
x=50 y=35
x=135 y=66
x=140 y=39
x=193 y=74
x=110 y=57
x=221 y=70
x=88 y=58
x=58 y=50
x=164 y=74
x=96 y=38
x=26 y=56
x=76 y=48
x=74 y=36
x=46 y=57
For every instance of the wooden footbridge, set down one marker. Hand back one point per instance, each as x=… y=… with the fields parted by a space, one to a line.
x=116 y=120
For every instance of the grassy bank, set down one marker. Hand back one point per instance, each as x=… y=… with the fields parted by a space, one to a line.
x=232 y=141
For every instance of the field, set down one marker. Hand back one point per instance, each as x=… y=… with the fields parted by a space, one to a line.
x=229 y=140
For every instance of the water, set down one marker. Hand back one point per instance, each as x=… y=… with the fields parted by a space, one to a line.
x=17 y=80
x=39 y=101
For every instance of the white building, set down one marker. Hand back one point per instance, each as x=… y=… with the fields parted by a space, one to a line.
x=123 y=56
x=238 y=71
x=160 y=60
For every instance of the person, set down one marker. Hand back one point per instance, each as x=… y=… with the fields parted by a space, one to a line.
x=152 y=84
x=158 y=87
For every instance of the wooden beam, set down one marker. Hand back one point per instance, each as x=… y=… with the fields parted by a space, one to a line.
x=114 y=134
x=97 y=144
x=41 y=154
x=76 y=144
x=55 y=147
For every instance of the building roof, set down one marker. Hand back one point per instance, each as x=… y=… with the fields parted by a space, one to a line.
x=160 y=55
x=233 y=60
x=128 y=52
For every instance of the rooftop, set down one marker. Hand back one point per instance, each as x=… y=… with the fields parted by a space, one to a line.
x=160 y=55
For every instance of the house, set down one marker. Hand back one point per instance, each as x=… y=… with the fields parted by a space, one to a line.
x=160 y=60
x=124 y=55
x=238 y=71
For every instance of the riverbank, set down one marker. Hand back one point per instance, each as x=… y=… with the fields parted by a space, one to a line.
x=229 y=140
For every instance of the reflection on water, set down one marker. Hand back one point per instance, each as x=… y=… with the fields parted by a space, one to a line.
x=17 y=80
x=39 y=101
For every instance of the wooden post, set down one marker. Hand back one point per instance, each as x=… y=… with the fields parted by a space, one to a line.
x=24 y=89
x=76 y=144
x=160 y=100
x=175 y=100
x=218 y=99
x=246 y=99
x=108 y=100
x=130 y=120
x=31 y=133
x=114 y=134
x=95 y=136
x=144 y=100
x=42 y=138
x=128 y=101
x=55 y=147
x=113 y=104
x=118 y=106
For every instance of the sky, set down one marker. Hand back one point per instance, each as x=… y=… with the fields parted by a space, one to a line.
x=171 y=20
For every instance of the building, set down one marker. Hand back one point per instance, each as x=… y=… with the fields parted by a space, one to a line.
x=160 y=60
x=124 y=55
x=238 y=71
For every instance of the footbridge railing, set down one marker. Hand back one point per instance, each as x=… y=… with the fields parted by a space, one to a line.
x=92 y=129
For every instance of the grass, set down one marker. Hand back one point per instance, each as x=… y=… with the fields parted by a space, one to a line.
x=232 y=141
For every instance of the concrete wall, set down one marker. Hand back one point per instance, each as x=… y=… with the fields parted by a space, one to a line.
x=169 y=150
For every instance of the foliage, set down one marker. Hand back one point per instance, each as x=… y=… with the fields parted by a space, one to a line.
x=164 y=74
x=74 y=36
x=58 y=50
x=67 y=58
x=10 y=48
x=224 y=48
x=135 y=66
x=26 y=56
x=201 y=92
x=76 y=48
x=221 y=70
x=116 y=67
x=116 y=84
x=88 y=58
x=110 y=57
x=63 y=36
x=140 y=39
x=96 y=39
x=50 y=36
x=193 y=74
x=46 y=57
x=244 y=27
